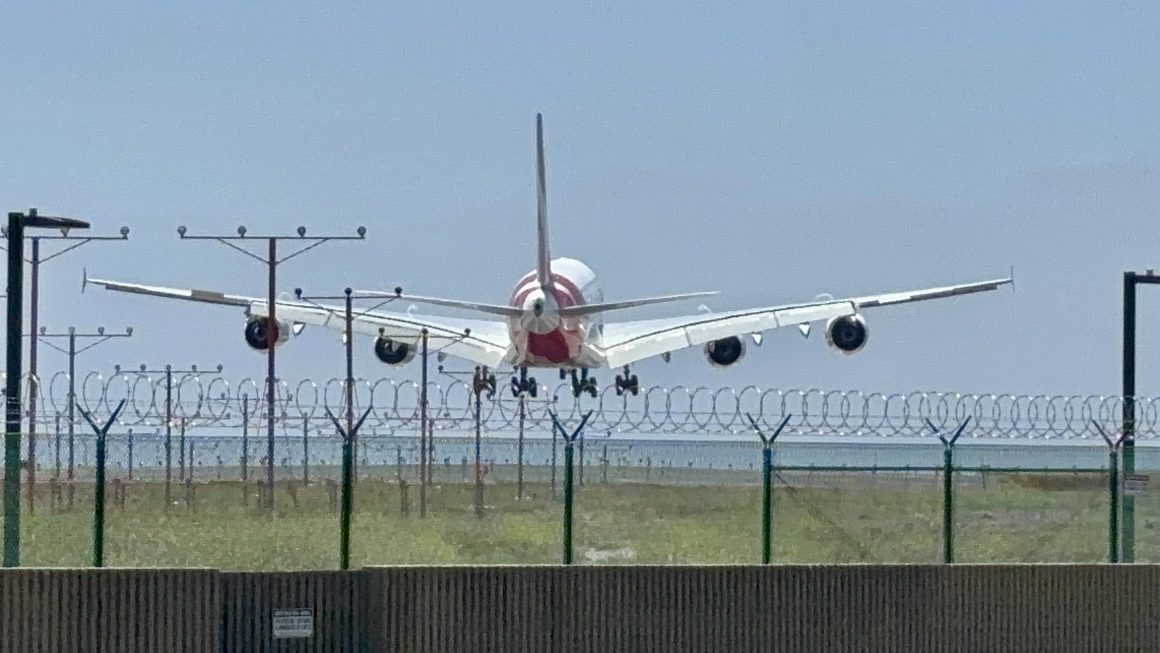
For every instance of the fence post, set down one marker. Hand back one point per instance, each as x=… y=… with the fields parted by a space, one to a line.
x=305 y=450
x=767 y=486
x=949 y=488
x=552 y=482
x=569 y=442
x=181 y=451
x=130 y=445
x=1113 y=491
x=99 y=490
x=348 y=438
x=245 y=438
x=481 y=382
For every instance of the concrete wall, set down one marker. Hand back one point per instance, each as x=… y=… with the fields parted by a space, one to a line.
x=579 y=609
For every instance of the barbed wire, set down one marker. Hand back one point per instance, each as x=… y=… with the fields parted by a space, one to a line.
x=210 y=399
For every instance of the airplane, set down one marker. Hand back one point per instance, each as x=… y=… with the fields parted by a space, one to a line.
x=554 y=318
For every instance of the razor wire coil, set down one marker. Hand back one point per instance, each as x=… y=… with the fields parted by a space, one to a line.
x=209 y=399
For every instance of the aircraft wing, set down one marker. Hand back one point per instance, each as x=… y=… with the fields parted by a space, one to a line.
x=627 y=342
x=486 y=341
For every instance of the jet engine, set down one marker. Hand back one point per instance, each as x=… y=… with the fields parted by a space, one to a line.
x=847 y=334
x=393 y=352
x=725 y=352
x=258 y=332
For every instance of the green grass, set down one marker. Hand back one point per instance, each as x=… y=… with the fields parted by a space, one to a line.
x=817 y=518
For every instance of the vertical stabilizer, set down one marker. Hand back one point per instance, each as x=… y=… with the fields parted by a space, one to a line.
x=543 y=260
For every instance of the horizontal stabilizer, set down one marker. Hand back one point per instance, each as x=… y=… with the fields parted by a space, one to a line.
x=493 y=309
x=592 y=309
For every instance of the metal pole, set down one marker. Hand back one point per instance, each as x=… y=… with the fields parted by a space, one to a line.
x=580 y=471
x=568 y=501
x=348 y=444
x=181 y=451
x=553 y=481
x=99 y=491
x=245 y=436
x=1113 y=507
x=569 y=448
x=766 y=504
x=350 y=369
x=33 y=379
x=12 y=390
x=56 y=446
x=72 y=400
x=478 y=468
x=520 y=440
x=168 y=435
x=423 y=433
x=767 y=485
x=99 y=505
x=305 y=450
x=948 y=504
x=1128 y=528
x=344 y=525
x=272 y=263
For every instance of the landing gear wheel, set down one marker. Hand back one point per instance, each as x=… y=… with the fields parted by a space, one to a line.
x=528 y=386
x=627 y=383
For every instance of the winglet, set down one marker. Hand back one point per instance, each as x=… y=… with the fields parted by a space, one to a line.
x=84 y=279
x=1012 y=277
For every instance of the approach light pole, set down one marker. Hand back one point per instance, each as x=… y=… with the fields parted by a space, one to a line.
x=34 y=327
x=271 y=261
x=1128 y=503
x=17 y=223
x=72 y=352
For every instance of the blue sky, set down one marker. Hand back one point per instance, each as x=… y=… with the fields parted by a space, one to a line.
x=772 y=151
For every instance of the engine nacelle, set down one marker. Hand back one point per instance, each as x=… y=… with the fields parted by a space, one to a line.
x=847 y=334
x=394 y=352
x=725 y=352
x=259 y=334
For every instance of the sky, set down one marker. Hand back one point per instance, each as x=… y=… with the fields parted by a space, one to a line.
x=769 y=150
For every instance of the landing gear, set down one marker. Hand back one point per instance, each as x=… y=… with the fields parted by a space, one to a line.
x=524 y=383
x=627 y=383
x=483 y=382
x=582 y=383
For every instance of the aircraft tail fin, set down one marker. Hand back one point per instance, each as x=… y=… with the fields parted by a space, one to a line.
x=543 y=256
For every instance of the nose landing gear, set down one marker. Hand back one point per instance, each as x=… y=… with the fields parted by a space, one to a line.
x=528 y=385
x=627 y=383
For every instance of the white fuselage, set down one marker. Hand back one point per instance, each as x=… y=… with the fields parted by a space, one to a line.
x=542 y=337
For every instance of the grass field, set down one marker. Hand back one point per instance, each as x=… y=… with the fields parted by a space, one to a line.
x=817 y=518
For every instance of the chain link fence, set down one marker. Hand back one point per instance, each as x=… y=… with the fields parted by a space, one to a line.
x=197 y=497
